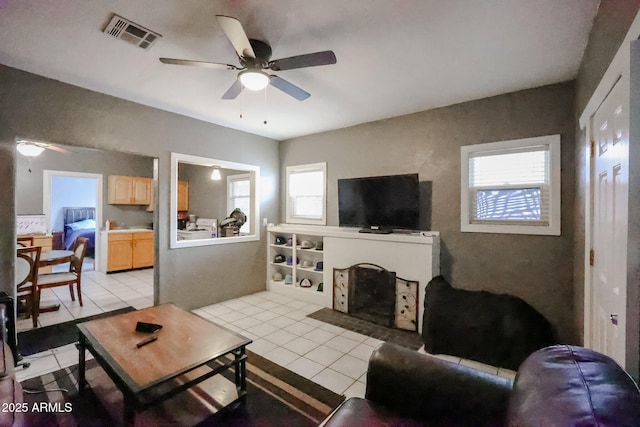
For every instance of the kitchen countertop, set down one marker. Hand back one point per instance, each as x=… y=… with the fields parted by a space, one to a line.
x=128 y=230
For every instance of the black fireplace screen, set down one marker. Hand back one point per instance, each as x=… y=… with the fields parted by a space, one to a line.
x=372 y=293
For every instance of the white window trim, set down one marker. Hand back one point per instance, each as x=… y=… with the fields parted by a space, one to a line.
x=230 y=207
x=306 y=168
x=553 y=229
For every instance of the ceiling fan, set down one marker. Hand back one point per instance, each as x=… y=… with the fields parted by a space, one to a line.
x=33 y=148
x=254 y=56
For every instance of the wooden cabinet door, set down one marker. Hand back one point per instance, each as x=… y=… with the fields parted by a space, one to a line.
x=141 y=189
x=142 y=249
x=120 y=252
x=183 y=196
x=119 y=188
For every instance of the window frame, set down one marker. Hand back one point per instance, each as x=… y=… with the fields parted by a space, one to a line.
x=252 y=170
x=312 y=167
x=553 y=228
x=240 y=177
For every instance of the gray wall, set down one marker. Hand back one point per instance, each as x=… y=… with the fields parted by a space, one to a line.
x=535 y=268
x=207 y=198
x=610 y=26
x=41 y=108
x=29 y=180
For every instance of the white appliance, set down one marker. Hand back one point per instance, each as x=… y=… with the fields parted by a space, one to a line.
x=206 y=228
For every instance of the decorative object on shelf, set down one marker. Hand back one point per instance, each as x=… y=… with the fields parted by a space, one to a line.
x=319 y=245
x=307 y=244
x=320 y=287
x=305 y=283
x=319 y=266
x=289 y=242
x=277 y=276
x=307 y=263
x=278 y=259
x=288 y=279
x=280 y=240
x=290 y=260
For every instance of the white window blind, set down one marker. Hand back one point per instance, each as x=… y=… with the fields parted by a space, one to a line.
x=239 y=196
x=306 y=193
x=511 y=186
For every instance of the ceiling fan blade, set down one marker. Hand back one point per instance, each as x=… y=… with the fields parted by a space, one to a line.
x=325 y=57
x=205 y=64
x=233 y=91
x=236 y=35
x=288 y=88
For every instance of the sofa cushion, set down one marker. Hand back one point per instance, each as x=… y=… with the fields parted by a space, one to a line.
x=564 y=385
x=357 y=412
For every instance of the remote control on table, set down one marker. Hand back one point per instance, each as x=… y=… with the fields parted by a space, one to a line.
x=147 y=340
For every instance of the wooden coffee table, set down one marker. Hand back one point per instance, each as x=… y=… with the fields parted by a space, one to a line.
x=176 y=361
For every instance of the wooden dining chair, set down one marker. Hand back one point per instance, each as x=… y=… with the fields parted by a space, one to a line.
x=73 y=276
x=25 y=241
x=26 y=274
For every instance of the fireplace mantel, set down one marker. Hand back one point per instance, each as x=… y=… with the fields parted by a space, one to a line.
x=412 y=256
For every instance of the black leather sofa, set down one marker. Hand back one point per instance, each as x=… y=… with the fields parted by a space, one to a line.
x=557 y=386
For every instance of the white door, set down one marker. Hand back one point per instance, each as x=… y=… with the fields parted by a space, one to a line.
x=610 y=130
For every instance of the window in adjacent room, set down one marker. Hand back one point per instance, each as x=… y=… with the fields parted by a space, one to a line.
x=512 y=186
x=239 y=196
x=306 y=194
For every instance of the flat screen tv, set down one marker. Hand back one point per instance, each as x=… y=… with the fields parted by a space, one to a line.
x=379 y=203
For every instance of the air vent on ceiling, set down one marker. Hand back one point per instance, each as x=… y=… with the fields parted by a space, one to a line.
x=122 y=28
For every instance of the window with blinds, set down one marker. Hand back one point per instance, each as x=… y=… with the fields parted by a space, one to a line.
x=239 y=196
x=306 y=202
x=514 y=184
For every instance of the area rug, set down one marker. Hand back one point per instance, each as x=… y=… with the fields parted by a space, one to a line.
x=275 y=397
x=41 y=339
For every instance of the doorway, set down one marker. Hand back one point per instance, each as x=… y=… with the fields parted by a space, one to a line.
x=64 y=189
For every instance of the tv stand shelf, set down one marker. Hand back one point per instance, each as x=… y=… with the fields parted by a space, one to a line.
x=412 y=255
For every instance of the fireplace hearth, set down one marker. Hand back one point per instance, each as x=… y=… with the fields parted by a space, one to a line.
x=372 y=293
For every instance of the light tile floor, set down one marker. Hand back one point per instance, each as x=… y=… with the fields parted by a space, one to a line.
x=329 y=355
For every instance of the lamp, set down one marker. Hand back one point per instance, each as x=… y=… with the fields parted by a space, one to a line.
x=254 y=79
x=215 y=174
x=29 y=150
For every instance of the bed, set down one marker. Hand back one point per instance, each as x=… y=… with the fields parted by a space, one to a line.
x=79 y=222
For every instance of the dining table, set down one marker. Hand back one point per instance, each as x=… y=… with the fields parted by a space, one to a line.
x=54 y=257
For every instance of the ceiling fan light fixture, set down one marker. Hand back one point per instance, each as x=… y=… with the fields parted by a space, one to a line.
x=254 y=79
x=29 y=150
x=215 y=174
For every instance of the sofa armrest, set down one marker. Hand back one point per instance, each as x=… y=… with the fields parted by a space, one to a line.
x=425 y=387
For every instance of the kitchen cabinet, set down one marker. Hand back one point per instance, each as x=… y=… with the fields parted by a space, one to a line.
x=143 y=249
x=183 y=196
x=129 y=190
x=124 y=250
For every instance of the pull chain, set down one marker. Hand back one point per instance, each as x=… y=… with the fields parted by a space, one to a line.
x=241 y=102
x=265 y=104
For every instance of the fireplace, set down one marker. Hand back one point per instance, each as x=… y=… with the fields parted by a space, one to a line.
x=372 y=293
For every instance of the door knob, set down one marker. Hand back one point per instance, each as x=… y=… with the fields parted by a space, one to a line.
x=613 y=318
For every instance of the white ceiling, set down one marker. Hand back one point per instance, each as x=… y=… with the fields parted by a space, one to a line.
x=394 y=57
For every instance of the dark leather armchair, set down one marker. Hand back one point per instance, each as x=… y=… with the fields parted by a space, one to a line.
x=559 y=385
